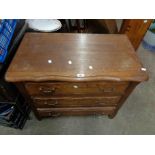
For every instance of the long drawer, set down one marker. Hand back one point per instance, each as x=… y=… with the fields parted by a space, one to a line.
x=81 y=88
x=75 y=102
x=55 y=112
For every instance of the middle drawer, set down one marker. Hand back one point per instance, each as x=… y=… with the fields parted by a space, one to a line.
x=76 y=102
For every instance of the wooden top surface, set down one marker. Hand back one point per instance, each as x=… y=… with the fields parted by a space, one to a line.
x=75 y=57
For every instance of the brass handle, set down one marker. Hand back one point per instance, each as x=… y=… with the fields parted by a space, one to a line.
x=100 y=103
x=107 y=90
x=52 y=104
x=47 y=91
x=54 y=115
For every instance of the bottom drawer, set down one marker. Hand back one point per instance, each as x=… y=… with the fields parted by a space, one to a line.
x=55 y=112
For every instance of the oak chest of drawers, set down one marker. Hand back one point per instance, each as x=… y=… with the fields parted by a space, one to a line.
x=75 y=74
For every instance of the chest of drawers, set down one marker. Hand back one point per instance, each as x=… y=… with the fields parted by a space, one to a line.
x=75 y=74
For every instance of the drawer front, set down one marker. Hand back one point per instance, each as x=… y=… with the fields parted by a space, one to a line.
x=56 y=112
x=76 y=102
x=68 y=89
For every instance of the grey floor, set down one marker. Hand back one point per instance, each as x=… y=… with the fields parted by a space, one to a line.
x=137 y=116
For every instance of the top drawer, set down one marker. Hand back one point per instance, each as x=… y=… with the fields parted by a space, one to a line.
x=72 y=88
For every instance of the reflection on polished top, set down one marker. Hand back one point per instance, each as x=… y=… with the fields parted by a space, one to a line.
x=76 y=57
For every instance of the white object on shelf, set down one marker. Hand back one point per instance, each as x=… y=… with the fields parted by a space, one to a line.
x=44 y=25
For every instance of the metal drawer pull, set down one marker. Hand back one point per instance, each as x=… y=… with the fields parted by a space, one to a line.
x=54 y=115
x=52 y=104
x=107 y=90
x=47 y=91
x=100 y=103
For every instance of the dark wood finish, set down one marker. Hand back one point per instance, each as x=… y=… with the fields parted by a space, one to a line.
x=75 y=74
x=124 y=97
x=135 y=29
x=77 y=25
x=69 y=88
x=102 y=26
x=55 y=112
x=109 y=24
x=111 y=56
x=75 y=102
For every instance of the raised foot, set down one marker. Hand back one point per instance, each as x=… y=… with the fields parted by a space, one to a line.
x=111 y=116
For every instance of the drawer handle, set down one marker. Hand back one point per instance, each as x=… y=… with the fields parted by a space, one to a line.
x=52 y=104
x=47 y=91
x=54 y=115
x=101 y=103
x=107 y=90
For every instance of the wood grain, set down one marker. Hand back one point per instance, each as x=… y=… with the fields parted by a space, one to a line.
x=75 y=102
x=109 y=24
x=128 y=91
x=55 y=112
x=111 y=57
x=135 y=29
x=71 y=88
x=75 y=74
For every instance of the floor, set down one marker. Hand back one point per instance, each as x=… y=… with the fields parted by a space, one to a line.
x=137 y=116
